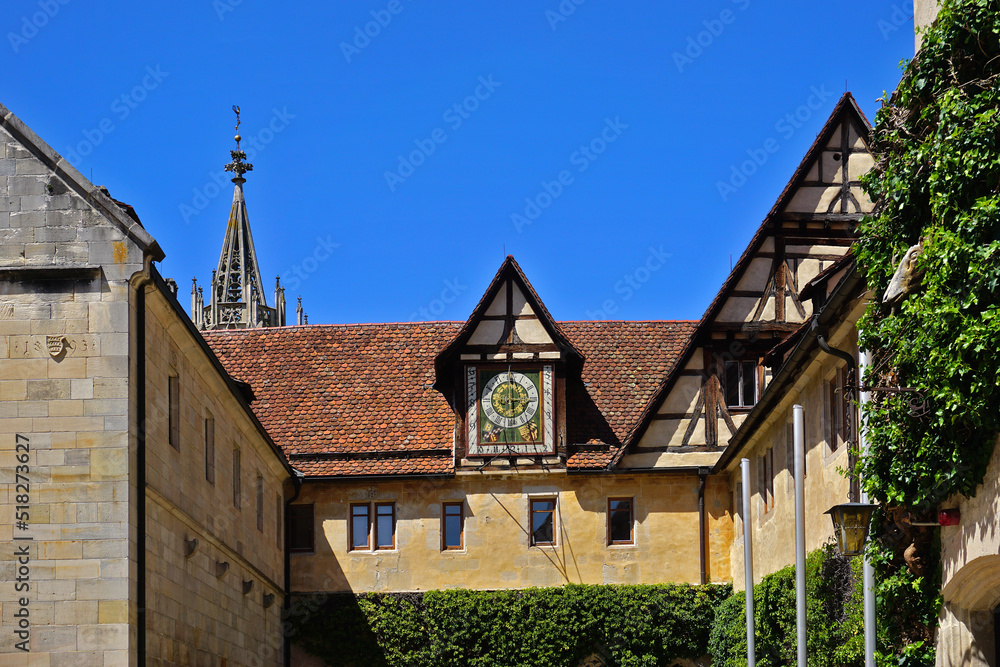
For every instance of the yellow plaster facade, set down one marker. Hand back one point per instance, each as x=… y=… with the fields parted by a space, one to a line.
x=771 y=521
x=497 y=552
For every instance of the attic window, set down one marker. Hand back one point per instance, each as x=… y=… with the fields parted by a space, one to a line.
x=741 y=384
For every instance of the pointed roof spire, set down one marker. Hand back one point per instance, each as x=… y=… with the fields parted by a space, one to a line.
x=237 y=297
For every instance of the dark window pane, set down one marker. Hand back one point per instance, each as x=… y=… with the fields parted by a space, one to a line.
x=300 y=526
x=452 y=538
x=749 y=383
x=453 y=532
x=385 y=526
x=359 y=526
x=732 y=383
x=620 y=521
x=542 y=516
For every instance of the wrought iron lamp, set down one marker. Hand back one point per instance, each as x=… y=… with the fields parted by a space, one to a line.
x=850 y=525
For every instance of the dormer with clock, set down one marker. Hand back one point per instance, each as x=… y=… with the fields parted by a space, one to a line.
x=505 y=374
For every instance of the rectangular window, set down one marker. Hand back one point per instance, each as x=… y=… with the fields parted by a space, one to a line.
x=741 y=384
x=543 y=522
x=385 y=525
x=620 y=521
x=739 y=505
x=277 y=519
x=300 y=528
x=260 y=503
x=838 y=411
x=452 y=516
x=236 y=478
x=174 y=411
x=361 y=523
x=210 y=450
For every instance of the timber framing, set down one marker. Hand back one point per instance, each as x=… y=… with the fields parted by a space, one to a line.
x=784 y=239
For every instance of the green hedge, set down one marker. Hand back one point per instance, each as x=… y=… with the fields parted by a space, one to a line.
x=834 y=617
x=628 y=626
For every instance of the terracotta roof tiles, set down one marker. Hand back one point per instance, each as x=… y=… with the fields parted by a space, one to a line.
x=358 y=399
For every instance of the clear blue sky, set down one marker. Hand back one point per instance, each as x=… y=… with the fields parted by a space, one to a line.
x=664 y=96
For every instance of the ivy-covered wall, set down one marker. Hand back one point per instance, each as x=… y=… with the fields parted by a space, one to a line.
x=937 y=186
x=834 y=617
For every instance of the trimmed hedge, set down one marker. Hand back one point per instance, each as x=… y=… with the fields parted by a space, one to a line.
x=628 y=626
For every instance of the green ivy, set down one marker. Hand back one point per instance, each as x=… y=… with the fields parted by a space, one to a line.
x=834 y=617
x=936 y=181
x=627 y=626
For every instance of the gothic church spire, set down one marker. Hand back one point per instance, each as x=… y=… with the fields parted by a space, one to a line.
x=236 y=297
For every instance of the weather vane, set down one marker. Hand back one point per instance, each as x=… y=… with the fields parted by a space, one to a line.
x=238 y=166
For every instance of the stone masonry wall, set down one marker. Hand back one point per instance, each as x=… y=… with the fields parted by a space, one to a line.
x=64 y=369
x=198 y=613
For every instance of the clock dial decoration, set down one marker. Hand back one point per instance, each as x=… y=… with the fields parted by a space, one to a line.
x=509 y=410
x=510 y=400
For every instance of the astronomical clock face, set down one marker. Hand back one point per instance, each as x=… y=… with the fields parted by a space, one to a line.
x=510 y=411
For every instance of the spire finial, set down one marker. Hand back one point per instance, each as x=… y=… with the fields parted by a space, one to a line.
x=238 y=166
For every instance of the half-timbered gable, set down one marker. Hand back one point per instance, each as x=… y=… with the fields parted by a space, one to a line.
x=722 y=374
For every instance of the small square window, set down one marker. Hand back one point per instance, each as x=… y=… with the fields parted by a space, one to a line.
x=385 y=525
x=360 y=527
x=543 y=522
x=300 y=528
x=452 y=516
x=620 y=521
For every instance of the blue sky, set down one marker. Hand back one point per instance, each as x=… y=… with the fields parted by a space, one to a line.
x=402 y=148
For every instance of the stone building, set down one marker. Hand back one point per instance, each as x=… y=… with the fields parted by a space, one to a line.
x=509 y=450
x=143 y=500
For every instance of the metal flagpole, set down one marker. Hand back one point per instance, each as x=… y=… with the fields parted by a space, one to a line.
x=800 y=535
x=868 y=572
x=748 y=563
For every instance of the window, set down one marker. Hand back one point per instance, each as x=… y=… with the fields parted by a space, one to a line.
x=236 y=478
x=260 y=503
x=452 y=522
x=739 y=505
x=277 y=519
x=543 y=522
x=210 y=450
x=837 y=411
x=174 y=411
x=300 y=528
x=361 y=522
x=620 y=521
x=385 y=525
x=741 y=384
x=765 y=480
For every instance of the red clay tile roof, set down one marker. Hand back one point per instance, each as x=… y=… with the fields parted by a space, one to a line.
x=357 y=399
x=626 y=361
